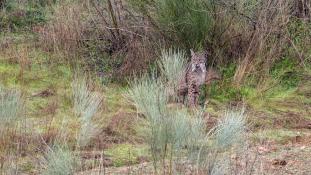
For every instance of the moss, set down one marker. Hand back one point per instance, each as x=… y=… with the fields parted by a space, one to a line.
x=9 y=74
x=126 y=154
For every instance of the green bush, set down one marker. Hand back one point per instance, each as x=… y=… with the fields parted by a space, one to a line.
x=186 y=21
x=223 y=90
x=286 y=72
x=21 y=15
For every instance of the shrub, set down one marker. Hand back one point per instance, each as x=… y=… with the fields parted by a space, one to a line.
x=64 y=31
x=187 y=22
x=285 y=71
x=167 y=131
x=86 y=104
x=21 y=15
x=99 y=37
x=172 y=64
x=230 y=129
x=59 y=160
x=11 y=107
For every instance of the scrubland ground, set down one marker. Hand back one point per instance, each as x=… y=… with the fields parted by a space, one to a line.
x=279 y=126
x=51 y=127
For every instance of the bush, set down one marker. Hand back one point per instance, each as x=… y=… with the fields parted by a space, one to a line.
x=173 y=66
x=16 y=15
x=285 y=71
x=187 y=22
x=11 y=108
x=99 y=37
x=85 y=104
x=59 y=160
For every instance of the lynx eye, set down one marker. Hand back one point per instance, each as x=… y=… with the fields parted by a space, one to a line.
x=203 y=68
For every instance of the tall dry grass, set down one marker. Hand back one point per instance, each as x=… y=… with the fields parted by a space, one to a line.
x=65 y=30
x=105 y=36
x=267 y=41
x=117 y=38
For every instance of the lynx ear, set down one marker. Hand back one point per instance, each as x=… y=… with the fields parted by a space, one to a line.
x=192 y=53
x=206 y=54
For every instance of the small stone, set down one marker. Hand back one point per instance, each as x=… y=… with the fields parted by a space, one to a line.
x=279 y=162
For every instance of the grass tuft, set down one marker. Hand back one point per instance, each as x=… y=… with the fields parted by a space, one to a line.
x=86 y=105
x=172 y=64
x=59 y=160
x=11 y=107
x=230 y=129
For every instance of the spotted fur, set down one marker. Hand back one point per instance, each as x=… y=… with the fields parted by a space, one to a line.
x=195 y=76
x=182 y=89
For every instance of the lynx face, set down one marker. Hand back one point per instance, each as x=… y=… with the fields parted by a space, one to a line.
x=198 y=68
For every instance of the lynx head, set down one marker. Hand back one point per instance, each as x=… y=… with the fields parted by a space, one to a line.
x=198 y=61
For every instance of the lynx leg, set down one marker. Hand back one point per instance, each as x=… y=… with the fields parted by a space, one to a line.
x=191 y=96
x=196 y=99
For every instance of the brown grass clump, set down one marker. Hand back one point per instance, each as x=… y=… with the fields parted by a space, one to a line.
x=116 y=39
x=105 y=37
x=267 y=40
x=65 y=31
x=122 y=128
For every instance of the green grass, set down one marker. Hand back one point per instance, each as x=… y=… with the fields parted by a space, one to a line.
x=18 y=15
x=115 y=98
x=188 y=22
x=9 y=74
x=280 y=136
x=127 y=154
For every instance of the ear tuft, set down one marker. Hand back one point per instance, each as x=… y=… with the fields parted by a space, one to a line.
x=192 y=53
x=206 y=54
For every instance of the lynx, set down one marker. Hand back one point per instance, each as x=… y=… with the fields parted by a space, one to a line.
x=194 y=76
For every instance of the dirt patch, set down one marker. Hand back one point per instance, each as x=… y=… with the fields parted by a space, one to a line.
x=292 y=120
x=288 y=120
x=122 y=128
x=91 y=156
x=50 y=108
x=301 y=140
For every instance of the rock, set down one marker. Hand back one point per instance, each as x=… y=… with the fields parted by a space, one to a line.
x=279 y=162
